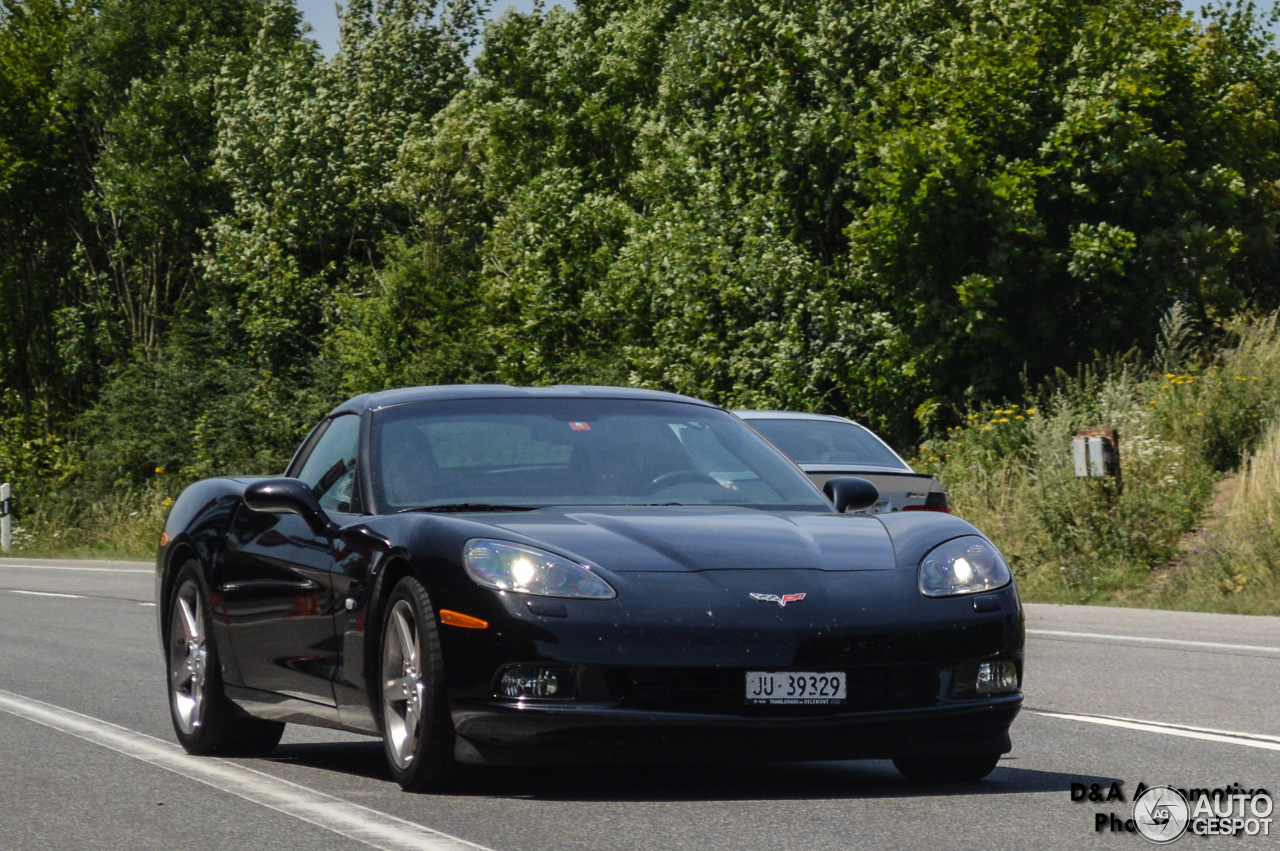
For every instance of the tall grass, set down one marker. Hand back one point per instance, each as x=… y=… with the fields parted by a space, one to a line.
x=1221 y=405
x=1185 y=420
x=126 y=524
x=1009 y=470
x=1232 y=563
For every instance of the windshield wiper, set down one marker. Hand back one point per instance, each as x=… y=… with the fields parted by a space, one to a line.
x=471 y=506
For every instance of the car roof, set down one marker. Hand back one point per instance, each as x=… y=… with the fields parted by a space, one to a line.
x=444 y=392
x=791 y=415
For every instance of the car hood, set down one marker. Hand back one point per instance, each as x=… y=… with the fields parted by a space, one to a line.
x=684 y=539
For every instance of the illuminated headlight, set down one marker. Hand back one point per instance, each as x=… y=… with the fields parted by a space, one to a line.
x=965 y=565
x=530 y=681
x=505 y=566
x=997 y=676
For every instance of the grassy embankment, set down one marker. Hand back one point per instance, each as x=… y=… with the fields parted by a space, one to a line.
x=124 y=526
x=1194 y=527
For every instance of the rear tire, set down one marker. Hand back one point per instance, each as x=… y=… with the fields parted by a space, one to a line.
x=948 y=770
x=204 y=720
x=417 y=732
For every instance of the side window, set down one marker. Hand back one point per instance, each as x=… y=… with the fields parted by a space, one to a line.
x=330 y=469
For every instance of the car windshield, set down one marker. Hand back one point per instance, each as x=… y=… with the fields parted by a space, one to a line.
x=827 y=442
x=575 y=451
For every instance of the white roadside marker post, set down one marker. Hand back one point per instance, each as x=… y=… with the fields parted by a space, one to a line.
x=6 y=522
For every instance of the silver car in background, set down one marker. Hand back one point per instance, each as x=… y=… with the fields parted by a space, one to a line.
x=826 y=446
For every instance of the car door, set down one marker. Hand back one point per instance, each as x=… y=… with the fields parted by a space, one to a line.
x=276 y=579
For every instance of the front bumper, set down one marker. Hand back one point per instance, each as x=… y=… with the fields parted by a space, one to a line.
x=659 y=673
x=521 y=733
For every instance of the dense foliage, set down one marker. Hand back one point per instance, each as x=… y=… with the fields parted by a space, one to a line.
x=210 y=233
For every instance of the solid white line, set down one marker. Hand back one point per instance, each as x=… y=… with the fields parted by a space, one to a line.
x=45 y=594
x=4 y=564
x=1247 y=739
x=1262 y=736
x=353 y=821
x=1108 y=637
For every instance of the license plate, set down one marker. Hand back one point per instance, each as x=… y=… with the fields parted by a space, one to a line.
x=796 y=687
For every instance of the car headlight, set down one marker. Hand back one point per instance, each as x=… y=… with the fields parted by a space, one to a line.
x=505 y=566
x=965 y=565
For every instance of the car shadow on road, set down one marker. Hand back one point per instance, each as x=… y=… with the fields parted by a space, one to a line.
x=639 y=783
x=767 y=781
x=360 y=759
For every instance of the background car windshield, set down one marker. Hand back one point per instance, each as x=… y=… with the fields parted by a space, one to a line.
x=577 y=452
x=827 y=442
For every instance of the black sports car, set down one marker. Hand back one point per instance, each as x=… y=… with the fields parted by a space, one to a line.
x=502 y=575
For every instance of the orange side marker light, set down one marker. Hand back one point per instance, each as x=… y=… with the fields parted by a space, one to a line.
x=459 y=619
x=164 y=539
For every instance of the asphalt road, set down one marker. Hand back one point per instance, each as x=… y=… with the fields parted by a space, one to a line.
x=89 y=759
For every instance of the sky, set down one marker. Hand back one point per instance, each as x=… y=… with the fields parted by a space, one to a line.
x=323 y=17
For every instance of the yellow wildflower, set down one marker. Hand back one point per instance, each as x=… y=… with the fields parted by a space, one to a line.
x=159 y=469
x=1004 y=419
x=168 y=501
x=1019 y=418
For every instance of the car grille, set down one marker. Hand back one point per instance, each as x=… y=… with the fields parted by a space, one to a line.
x=723 y=692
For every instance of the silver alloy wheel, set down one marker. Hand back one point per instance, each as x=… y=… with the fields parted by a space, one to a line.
x=403 y=691
x=188 y=657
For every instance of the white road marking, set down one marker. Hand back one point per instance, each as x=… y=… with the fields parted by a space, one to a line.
x=45 y=594
x=1261 y=736
x=1252 y=740
x=362 y=824
x=146 y=604
x=4 y=564
x=1179 y=641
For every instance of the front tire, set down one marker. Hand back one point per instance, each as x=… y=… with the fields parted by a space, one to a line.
x=948 y=770
x=204 y=720
x=417 y=732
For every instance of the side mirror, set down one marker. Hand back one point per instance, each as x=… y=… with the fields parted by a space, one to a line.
x=850 y=493
x=290 y=496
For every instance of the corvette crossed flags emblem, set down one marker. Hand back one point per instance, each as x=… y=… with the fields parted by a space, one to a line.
x=781 y=601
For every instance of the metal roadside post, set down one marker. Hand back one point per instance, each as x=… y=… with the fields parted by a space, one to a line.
x=1096 y=455
x=6 y=519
